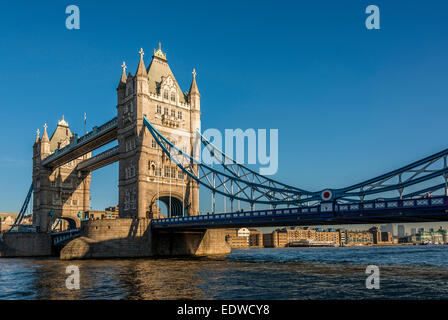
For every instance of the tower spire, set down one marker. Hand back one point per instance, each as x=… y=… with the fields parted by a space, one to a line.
x=45 y=143
x=37 y=136
x=45 y=134
x=141 y=69
x=123 y=78
x=194 y=87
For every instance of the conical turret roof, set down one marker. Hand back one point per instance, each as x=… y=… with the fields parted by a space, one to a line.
x=45 y=134
x=141 y=69
x=194 y=87
x=37 y=137
x=123 y=78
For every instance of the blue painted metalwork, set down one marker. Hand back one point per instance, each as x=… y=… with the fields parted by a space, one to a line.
x=243 y=172
x=238 y=182
x=373 y=186
x=255 y=188
x=418 y=210
x=224 y=183
x=62 y=236
x=23 y=209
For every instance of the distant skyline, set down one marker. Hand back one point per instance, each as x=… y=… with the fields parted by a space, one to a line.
x=349 y=103
x=408 y=226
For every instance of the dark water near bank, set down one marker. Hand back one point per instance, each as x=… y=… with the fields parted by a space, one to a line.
x=414 y=272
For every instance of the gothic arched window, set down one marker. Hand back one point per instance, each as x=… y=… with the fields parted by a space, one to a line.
x=152 y=169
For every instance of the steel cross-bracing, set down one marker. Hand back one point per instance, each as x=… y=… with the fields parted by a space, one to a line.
x=238 y=182
x=415 y=180
x=397 y=189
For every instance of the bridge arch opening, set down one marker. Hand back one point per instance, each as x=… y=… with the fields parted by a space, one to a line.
x=170 y=207
x=63 y=224
x=71 y=222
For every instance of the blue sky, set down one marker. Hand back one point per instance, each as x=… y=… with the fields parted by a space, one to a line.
x=349 y=103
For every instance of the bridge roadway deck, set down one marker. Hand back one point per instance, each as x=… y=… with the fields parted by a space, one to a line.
x=101 y=160
x=375 y=212
x=95 y=139
x=59 y=237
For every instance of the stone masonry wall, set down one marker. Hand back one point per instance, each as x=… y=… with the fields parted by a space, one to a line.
x=25 y=245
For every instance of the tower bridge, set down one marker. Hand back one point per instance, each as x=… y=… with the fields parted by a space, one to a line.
x=157 y=143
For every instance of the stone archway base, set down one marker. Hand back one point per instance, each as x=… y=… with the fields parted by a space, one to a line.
x=132 y=238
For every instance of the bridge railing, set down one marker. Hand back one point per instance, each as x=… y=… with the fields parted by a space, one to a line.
x=76 y=142
x=372 y=206
x=58 y=237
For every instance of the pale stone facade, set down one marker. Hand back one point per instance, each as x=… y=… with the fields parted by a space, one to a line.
x=62 y=191
x=145 y=173
x=145 y=176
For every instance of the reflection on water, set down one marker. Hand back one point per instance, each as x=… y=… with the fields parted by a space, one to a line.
x=294 y=273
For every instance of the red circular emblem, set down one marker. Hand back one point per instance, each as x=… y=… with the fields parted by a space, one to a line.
x=326 y=195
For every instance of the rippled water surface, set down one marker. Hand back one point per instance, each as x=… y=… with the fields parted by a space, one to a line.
x=407 y=272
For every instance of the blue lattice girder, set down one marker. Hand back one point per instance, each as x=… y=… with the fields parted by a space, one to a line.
x=255 y=188
x=227 y=184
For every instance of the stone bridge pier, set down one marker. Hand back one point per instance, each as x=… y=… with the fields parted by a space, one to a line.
x=132 y=238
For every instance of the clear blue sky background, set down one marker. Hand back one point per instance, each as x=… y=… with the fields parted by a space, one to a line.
x=349 y=103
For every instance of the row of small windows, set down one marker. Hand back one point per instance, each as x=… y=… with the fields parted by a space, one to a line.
x=131 y=145
x=168 y=172
x=166 y=112
x=154 y=145
x=59 y=200
x=67 y=183
x=173 y=95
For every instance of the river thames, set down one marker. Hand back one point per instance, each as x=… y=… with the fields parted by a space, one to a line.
x=406 y=272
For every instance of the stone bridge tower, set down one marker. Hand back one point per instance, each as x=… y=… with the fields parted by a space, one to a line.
x=146 y=176
x=60 y=192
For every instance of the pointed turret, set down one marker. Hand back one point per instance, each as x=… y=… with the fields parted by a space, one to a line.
x=37 y=137
x=36 y=147
x=194 y=87
x=36 y=152
x=141 y=69
x=123 y=78
x=45 y=144
x=45 y=134
x=121 y=89
x=194 y=97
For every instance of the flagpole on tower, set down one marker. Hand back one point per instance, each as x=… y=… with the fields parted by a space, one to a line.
x=85 y=122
